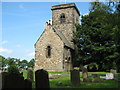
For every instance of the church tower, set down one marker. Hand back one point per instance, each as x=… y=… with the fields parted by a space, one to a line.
x=64 y=18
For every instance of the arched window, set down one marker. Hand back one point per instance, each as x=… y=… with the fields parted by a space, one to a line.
x=48 y=55
x=62 y=18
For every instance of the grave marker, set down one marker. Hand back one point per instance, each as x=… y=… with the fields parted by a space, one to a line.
x=42 y=79
x=75 y=77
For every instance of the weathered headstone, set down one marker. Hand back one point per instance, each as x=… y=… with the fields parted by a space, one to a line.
x=30 y=74
x=42 y=79
x=84 y=72
x=113 y=71
x=75 y=77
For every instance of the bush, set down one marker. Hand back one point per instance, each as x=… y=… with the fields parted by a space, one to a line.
x=13 y=69
x=30 y=74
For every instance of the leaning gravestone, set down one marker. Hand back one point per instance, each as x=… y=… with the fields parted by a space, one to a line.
x=84 y=72
x=75 y=77
x=41 y=79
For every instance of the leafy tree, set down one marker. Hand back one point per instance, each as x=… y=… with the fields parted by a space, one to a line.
x=13 y=69
x=24 y=63
x=31 y=63
x=10 y=61
x=17 y=62
x=2 y=62
x=94 y=37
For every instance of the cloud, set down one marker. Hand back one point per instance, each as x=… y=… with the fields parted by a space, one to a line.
x=3 y=42
x=4 y=50
x=31 y=54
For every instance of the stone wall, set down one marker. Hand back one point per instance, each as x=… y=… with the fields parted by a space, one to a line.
x=55 y=62
x=71 y=18
x=67 y=62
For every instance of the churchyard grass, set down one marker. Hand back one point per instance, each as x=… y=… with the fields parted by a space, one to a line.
x=55 y=72
x=24 y=73
x=66 y=82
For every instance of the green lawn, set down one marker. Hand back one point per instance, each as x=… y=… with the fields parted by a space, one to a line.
x=67 y=84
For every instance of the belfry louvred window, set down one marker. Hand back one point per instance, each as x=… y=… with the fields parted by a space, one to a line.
x=62 y=18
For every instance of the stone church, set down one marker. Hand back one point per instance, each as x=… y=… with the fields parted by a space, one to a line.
x=54 y=50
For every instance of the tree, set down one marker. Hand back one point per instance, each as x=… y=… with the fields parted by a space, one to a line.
x=94 y=37
x=2 y=62
x=31 y=63
x=117 y=35
x=10 y=61
x=24 y=63
x=13 y=69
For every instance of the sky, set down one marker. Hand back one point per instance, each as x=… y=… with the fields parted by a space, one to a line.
x=23 y=23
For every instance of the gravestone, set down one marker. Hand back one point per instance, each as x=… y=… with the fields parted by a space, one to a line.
x=85 y=72
x=30 y=75
x=75 y=77
x=28 y=84
x=113 y=71
x=13 y=80
x=3 y=78
x=109 y=76
x=42 y=79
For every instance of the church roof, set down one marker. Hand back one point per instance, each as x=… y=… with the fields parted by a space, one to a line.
x=62 y=37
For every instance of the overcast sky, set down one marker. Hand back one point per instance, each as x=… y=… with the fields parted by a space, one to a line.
x=23 y=23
